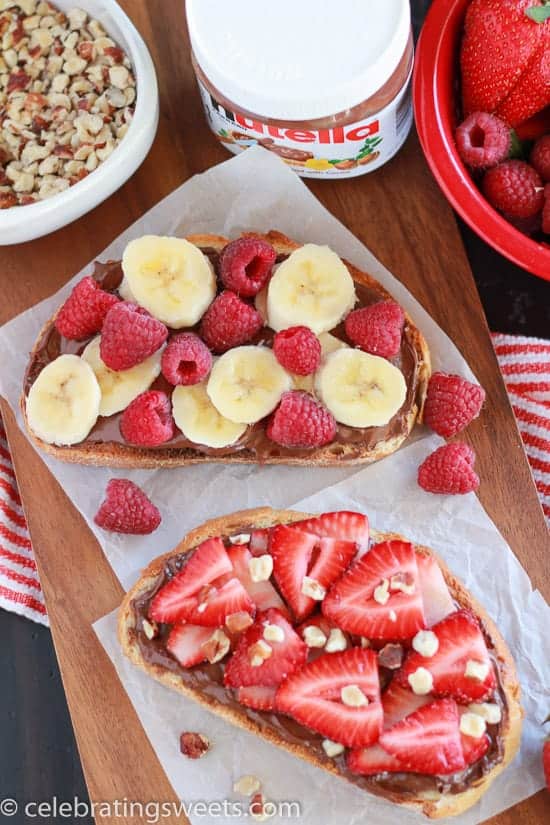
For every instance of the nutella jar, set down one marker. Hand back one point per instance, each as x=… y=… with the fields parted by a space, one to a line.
x=326 y=86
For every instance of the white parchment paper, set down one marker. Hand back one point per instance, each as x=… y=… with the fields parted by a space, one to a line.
x=255 y=190
x=462 y=533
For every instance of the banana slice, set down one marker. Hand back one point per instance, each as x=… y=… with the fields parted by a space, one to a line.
x=329 y=343
x=63 y=403
x=125 y=292
x=312 y=287
x=199 y=420
x=360 y=390
x=246 y=384
x=118 y=389
x=170 y=277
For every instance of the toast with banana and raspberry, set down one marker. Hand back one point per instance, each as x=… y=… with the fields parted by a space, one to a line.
x=204 y=349
x=355 y=650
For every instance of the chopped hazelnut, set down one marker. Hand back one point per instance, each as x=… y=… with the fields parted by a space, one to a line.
x=236 y=622
x=260 y=567
x=472 y=725
x=381 y=593
x=247 y=785
x=353 y=696
x=313 y=589
x=259 y=652
x=391 y=656
x=489 y=711
x=216 y=647
x=421 y=681
x=314 y=636
x=476 y=670
x=426 y=643
x=332 y=748
x=193 y=745
x=150 y=628
x=336 y=641
x=240 y=538
x=273 y=633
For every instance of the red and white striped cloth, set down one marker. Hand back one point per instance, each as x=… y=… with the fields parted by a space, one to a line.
x=20 y=589
x=525 y=365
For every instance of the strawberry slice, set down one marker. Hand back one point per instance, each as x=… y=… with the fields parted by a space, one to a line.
x=399 y=702
x=473 y=749
x=460 y=642
x=263 y=594
x=259 y=697
x=259 y=541
x=208 y=562
x=204 y=592
x=355 y=605
x=343 y=524
x=213 y=603
x=372 y=761
x=428 y=741
x=313 y=696
x=186 y=643
x=297 y=554
x=436 y=598
x=286 y=655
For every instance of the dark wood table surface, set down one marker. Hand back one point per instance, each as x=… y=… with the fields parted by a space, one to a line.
x=38 y=755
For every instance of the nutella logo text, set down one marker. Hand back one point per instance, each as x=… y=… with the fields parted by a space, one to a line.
x=338 y=134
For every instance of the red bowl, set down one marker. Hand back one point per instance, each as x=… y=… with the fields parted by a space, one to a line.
x=435 y=93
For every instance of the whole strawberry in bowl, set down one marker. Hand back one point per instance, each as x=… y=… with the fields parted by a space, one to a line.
x=482 y=104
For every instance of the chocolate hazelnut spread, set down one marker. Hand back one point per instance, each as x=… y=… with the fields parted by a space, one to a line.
x=208 y=678
x=254 y=441
x=333 y=102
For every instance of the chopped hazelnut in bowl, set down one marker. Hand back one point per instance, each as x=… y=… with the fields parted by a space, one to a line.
x=78 y=111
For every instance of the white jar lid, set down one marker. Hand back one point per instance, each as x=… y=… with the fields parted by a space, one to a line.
x=298 y=59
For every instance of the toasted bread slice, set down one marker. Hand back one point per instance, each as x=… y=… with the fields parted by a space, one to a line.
x=118 y=454
x=432 y=804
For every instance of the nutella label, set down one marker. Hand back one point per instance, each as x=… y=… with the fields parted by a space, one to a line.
x=337 y=152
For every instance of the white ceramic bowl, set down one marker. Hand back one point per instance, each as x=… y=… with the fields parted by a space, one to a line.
x=24 y=223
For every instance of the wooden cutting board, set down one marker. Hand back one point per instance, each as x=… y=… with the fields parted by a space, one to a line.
x=400 y=214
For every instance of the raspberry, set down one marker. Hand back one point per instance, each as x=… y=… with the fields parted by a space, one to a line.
x=246 y=264
x=229 y=322
x=514 y=188
x=298 y=350
x=126 y=509
x=540 y=157
x=129 y=336
x=527 y=226
x=300 y=421
x=546 y=210
x=186 y=360
x=147 y=421
x=84 y=311
x=451 y=403
x=483 y=140
x=377 y=328
x=449 y=470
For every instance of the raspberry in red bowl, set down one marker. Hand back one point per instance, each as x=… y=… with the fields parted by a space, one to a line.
x=438 y=114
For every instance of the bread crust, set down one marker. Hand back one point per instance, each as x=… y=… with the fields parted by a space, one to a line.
x=111 y=454
x=433 y=805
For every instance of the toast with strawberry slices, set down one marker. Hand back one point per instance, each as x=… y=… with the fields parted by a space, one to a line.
x=394 y=677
